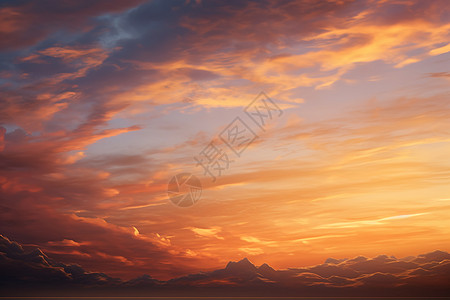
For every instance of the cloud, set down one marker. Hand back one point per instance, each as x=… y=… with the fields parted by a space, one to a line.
x=440 y=50
x=368 y=222
x=95 y=99
x=38 y=273
x=252 y=251
x=18 y=21
x=439 y=74
x=31 y=271
x=207 y=232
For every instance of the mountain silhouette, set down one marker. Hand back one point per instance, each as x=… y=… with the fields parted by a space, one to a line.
x=242 y=266
x=35 y=274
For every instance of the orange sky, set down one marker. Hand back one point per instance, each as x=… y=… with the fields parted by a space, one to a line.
x=103 y=103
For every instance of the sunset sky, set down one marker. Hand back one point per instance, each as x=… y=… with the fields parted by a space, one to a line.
x=102 y=102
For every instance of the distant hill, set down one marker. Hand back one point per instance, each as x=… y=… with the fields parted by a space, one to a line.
x=35 y=274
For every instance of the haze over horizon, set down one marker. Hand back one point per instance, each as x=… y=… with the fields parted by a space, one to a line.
x=104 y=103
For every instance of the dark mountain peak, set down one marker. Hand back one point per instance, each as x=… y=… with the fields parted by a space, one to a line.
x=436 y=255
x=38 y=252
x=334 y=261
x=10 y=247
x=407 y=258
x=363 y=274
x=266 y=268
x=37 y=256
x=243 y=265
x=267 y=271
x=383 y=257
x=144 y=280
x=144 y=277
x=357 y=259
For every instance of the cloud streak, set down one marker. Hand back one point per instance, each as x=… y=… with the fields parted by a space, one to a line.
x=103 y=102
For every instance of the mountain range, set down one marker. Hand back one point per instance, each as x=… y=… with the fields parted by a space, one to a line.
x=33 y=273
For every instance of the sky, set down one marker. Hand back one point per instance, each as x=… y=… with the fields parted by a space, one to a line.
x=102 y=103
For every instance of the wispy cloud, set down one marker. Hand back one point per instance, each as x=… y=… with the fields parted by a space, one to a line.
x=361 y=223
x=103 y=102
